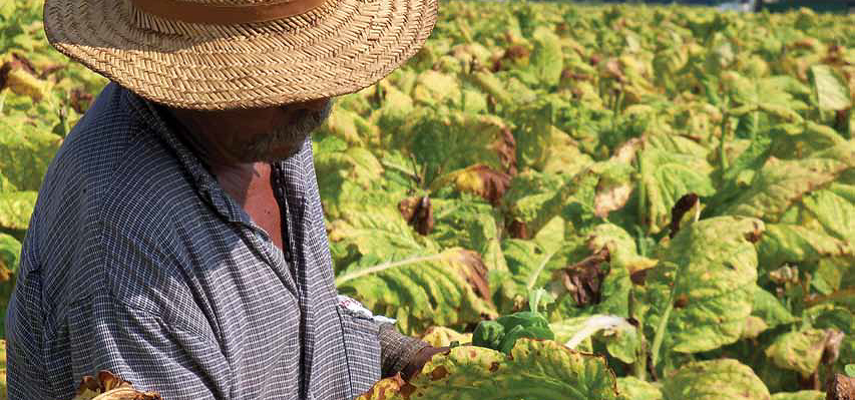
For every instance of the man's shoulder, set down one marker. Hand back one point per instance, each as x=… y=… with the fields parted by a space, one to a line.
x=113 y=183
x=112 y=160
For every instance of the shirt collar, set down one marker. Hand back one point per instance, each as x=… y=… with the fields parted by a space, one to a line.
x=155 y=117
x=294 y=176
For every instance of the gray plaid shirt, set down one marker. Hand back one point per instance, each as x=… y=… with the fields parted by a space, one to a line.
x=137 y=262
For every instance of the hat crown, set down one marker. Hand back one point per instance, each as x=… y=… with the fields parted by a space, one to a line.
x=225 y=12
x=226 y=2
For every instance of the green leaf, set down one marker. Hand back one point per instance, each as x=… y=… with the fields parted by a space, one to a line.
x=25 y=153
x=792 y=243
x=535 y=370
x=445 y=141
x=801 y=395
x=434 y=88
x=438 y=336
x=633 y=388
x=345 y=175
x=348 y=126
x=714 y=380
x=712 y=267
x=850 y=370
x=10 y=254
x=16 y=209
x=493 y=86
x=541 y=145
x=393 y=112
x=531 y=266
x=769 y=309
x=798 y=351
x=831 y=91
x=781 y=183
x=666 y=177
x=830 y=213
x=547 y=60
x=623 y=252
x=421 y=288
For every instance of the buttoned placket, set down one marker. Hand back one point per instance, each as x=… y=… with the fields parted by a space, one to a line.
x=286 y=224
x=222 y=203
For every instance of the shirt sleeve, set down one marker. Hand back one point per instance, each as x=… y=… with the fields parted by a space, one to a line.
x=152 y=354
x=396 y=349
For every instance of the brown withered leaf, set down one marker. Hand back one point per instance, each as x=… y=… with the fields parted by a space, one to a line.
x=80 y=100
x=686 y=203
x=476 y=274
x=584 y=279
x=517 y=229
x=107 y=386
x=18 y=62
x=494 y=185
x=639 y=277
x=506 y=148
x=511 y=54
x=840 y=387
x=833 y=340
x=418 y=212
x=611 y=195
x=480 y=180
x=612 y=69
x=50 y=69
x=610 y=199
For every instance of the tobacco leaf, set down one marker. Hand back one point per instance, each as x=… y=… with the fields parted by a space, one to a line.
x=800 y=395
x=16 y=209
x=479 y=180
x=714 y=379
x=712 y=267
x=535 y=370
x=636 y=389
x=831 y=91
x=421 y=288
x=799 y=351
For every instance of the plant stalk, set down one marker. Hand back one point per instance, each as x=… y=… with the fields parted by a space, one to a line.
x=663 y=322
x=725 y=127
x=640 y=365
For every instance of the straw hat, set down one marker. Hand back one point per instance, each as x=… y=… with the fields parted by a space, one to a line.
x=222 y=54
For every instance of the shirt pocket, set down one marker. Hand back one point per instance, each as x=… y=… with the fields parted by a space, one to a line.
x=362 y=348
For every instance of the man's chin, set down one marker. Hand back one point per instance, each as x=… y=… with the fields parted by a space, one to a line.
x=274 y=153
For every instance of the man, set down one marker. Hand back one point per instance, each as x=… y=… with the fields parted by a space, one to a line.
x=178 y=239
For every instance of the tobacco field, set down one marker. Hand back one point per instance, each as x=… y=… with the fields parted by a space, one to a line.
x=671 y=189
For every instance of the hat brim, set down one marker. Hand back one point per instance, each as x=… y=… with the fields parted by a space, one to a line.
x=341 y=47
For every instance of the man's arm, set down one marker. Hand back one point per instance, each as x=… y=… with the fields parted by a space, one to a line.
x=152 y=354
x=397 y=351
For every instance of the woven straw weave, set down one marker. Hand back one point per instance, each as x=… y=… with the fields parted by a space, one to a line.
x=340 y=47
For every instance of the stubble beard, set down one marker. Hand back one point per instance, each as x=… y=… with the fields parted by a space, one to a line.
x=287 y=140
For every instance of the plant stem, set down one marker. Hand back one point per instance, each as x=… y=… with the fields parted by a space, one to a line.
x=838 y=295
x=399 y=168
x=660 y=331
x=642 y=193
x=532 y=280
x=640 y=365
x=725 y=127
x=663 y=322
